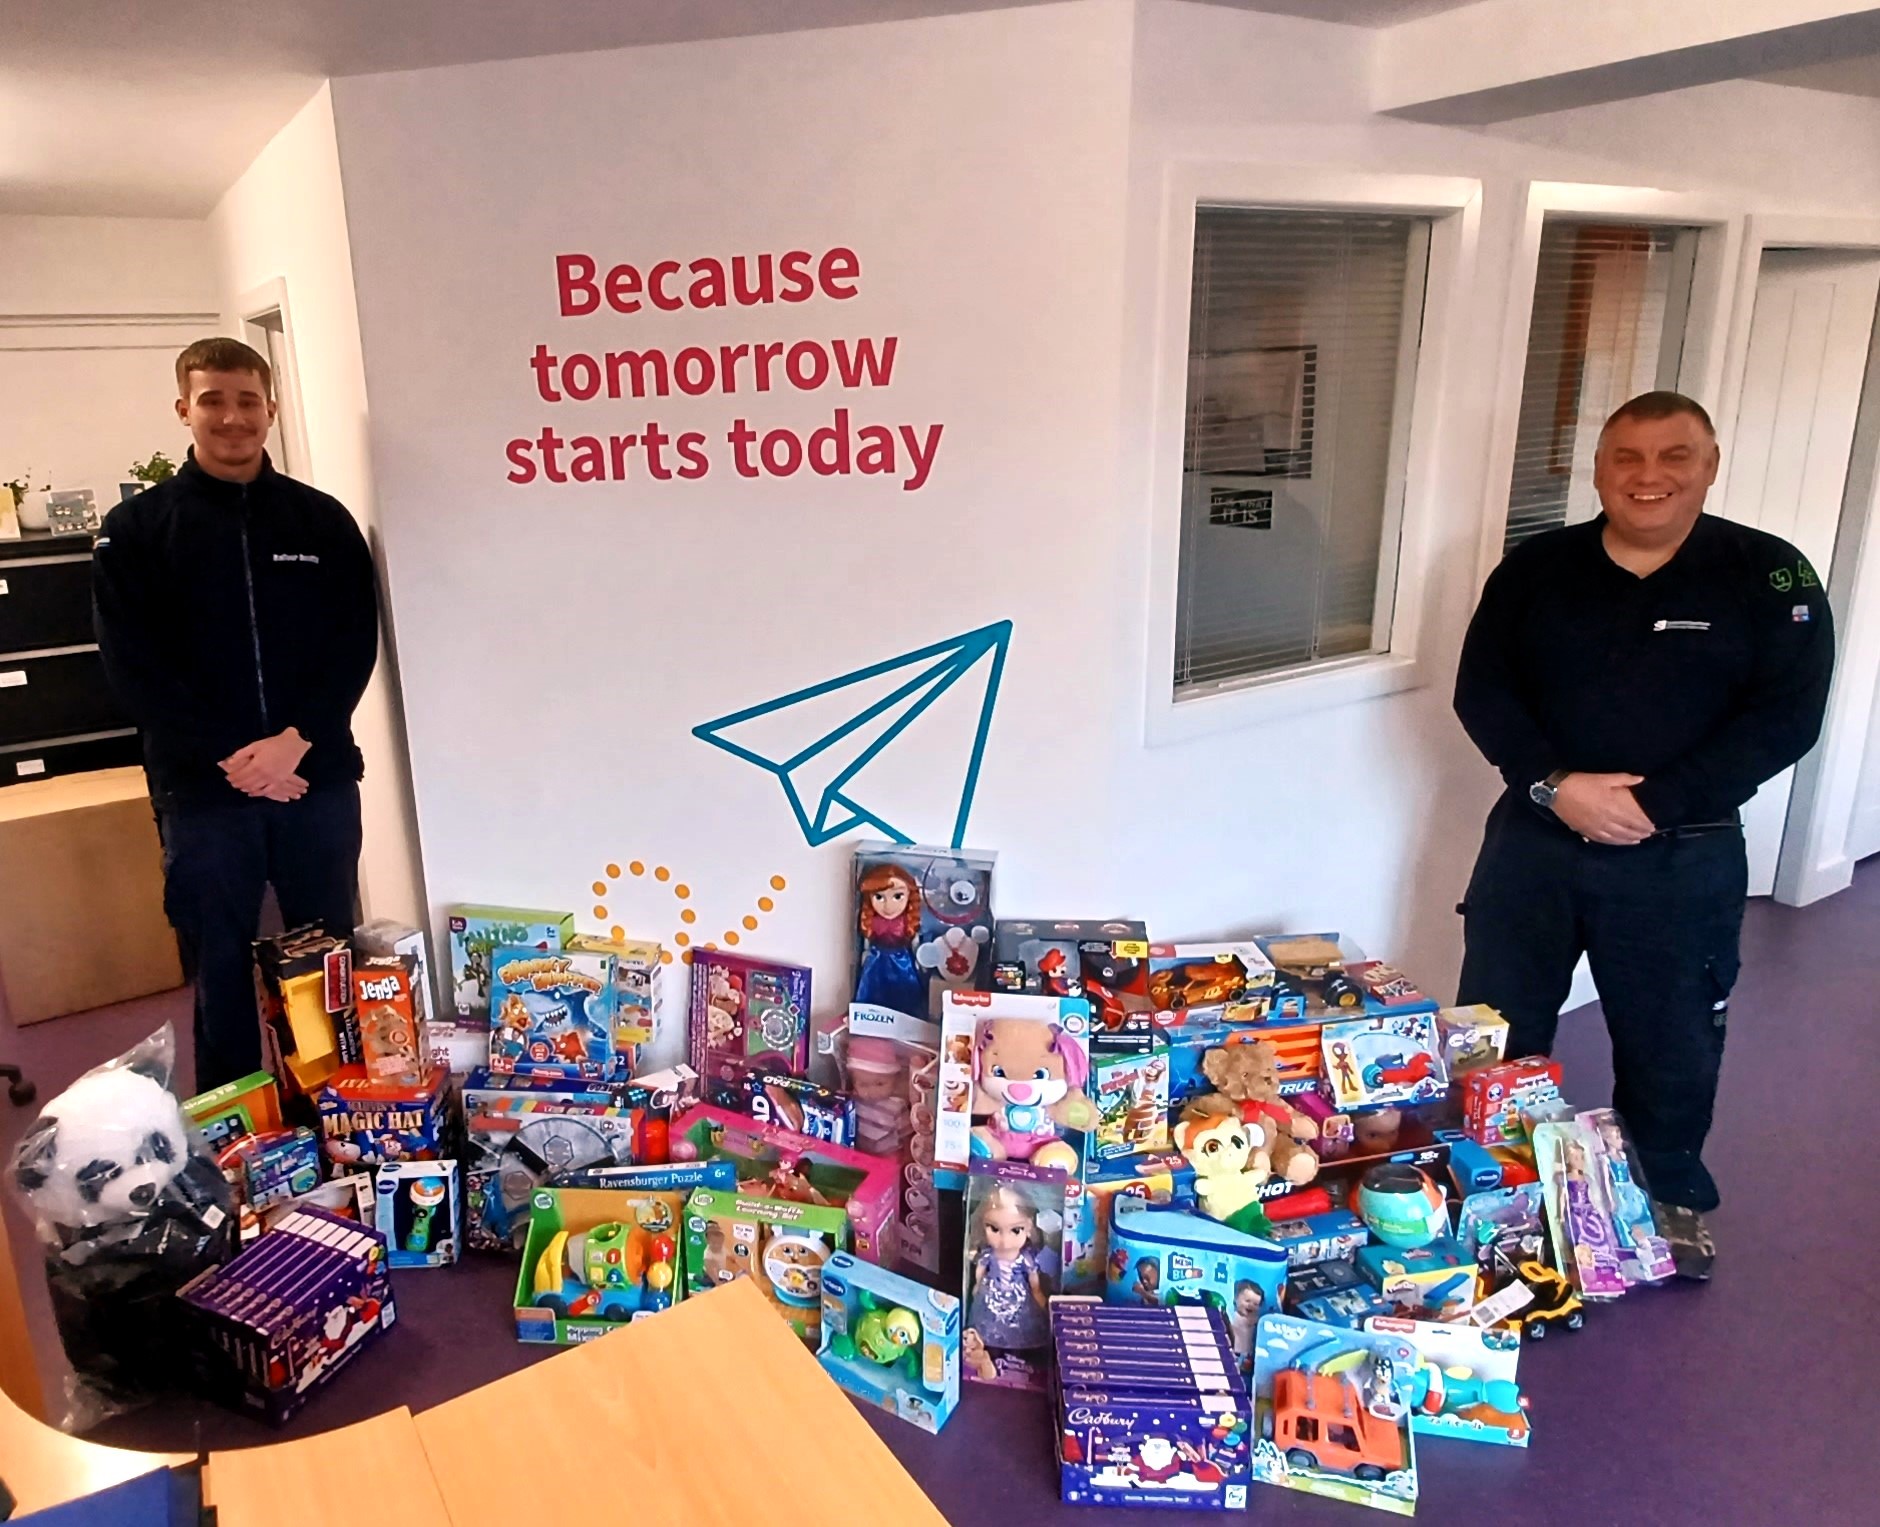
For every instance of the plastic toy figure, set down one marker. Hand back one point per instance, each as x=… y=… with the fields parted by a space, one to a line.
x=1007 y=1307
x=1056 y=976
x=1347 y=1075
x=890 y=919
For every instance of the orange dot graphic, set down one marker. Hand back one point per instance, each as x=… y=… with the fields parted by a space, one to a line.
x=709 y=944
x=765 y=904
x=687 y=956
x=600 y=888
x=665 y=956
x=682 y=939
x=637 y=868
x=616 y=933
x=751 y=924
x=778 y=883
x=661 y=873
x=600 y=912
x=682 y=891
x=613 y=872
x=688 y=916
x=730 y=937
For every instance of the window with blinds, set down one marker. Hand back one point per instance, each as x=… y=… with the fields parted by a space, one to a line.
x=1610 y=306
x=1301 y=358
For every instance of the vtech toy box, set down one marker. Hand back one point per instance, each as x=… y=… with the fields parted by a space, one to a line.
x=891 y=1341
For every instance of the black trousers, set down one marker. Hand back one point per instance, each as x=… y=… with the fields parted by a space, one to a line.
x=1659 y=923
x=218 y=862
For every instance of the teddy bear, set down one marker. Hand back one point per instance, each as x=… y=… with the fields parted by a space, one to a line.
x=1028 y=1085
x=1246 y=1082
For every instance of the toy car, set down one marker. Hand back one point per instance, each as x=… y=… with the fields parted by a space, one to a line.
x=1200 y=984
x=1398 y=1070
x=1555 y=1302
x=611 y=1272
x=1319 y=1421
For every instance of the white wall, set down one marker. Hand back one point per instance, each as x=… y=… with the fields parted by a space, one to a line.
x=284 y=222
x=92 y=313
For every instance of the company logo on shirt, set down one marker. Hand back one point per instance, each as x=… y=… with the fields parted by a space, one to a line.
x=1800 y=614
x=296 y=556
x=1680 y=625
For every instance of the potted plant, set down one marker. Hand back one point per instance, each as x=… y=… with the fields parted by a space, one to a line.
x=147 y=474
x=25 y=515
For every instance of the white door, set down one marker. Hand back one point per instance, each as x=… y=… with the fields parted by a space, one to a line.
x=1863 y=832
x=1792 y=438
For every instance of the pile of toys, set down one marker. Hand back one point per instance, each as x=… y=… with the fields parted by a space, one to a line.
x=1257 y=1210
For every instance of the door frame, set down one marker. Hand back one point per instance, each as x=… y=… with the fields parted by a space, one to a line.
x=1813 y=861
x=290 y=418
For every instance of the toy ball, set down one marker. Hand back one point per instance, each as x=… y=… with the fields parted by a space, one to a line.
x=1402 y=1205
x=683 y=1150
x=102 y=1151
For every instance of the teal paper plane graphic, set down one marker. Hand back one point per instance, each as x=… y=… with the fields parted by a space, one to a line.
x=833 y=746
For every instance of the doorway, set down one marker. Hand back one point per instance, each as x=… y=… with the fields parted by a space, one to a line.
x=265 y=317
x=1799 y=436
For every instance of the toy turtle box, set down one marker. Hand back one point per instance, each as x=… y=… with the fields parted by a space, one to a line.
x=774 y=1162
x=1462 y=1381
x=476 y=933
x=779 y=1245
x=1382 y=1062
x=1332 y=1413
x=419 y=1212
x=595 y=1259
x=525 y=1132
x=890 y=1341
x=552 y=1012
x=1209 y=983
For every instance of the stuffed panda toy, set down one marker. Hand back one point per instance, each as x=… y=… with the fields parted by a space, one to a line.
x=130 y=1206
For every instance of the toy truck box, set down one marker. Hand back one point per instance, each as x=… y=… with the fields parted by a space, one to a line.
x=476 y=933
x=275 y=1324
x=890 y=1341
x=595 y=1259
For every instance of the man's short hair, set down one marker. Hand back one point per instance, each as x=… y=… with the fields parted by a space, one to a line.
x=222 y=354
x=1665 y=404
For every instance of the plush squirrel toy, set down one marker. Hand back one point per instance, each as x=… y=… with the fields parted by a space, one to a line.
x=1230 y=1164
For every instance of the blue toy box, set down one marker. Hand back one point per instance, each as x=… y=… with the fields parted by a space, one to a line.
x=890 y=1341
x=1382 y=1062
x=1167 y=1256
x=419 y=1213
x=364 y=1122
x=1320 y=1237
x=552 y=1013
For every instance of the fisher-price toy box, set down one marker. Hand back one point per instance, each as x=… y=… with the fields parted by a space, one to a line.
x=597 y=1258
x=1021 y=1117
x=476 y=933
x=890 y=1341
x=1462 y=1380
x=772 y=1161
x=279 y=1321
x=552 y=1011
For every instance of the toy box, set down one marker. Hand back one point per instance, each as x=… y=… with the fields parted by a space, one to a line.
x=1319 y=1237
x=1347 y=1307
x=476 y=933
x=1438 y=1277
x=277 y=1322
x=1386 y=987
x=1468 y=1038
x=272 y=1166
x=385 y=936
x=553 y=1012
x=392 y=1040
x=1295 y=1050
x=1509 y=1222
x=890 y=1341
x=639 y=1006
x=1644 y=1255
x=1309 y=979
x=303 y=986
x=1315 y=1278
x=525 y=1132
x=779 y=1245
x=1332 y=1413
x=419 y=1212
x=1106 y=963
x=1579 y=1212
x=747 y=1015
x=1493 y=1097
x=1129 y=1082
x=923 y=925
x=1382 y=1062
x=1150 y=1177
x=891 y=1067
x=1014 y=1074
x=349 y=1198
x=788 y=1101
x=364 y=1122
x=250 y=1105
x=1014 y=1258
x=1209 y=983
x=773 y=1162
x=597 y=1258
x=1462 y=1381
x=1168 y=1256
x=1163 y=1435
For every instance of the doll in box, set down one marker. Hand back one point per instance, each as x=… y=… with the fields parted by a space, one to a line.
x=890 y=976
x=1014 y=1227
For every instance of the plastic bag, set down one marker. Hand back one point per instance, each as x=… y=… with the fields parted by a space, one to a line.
x=129 y=1206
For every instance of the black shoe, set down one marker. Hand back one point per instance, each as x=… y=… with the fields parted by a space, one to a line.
x=1693 y=1252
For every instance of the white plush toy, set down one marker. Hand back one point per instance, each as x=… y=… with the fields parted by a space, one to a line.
x=102 y=1151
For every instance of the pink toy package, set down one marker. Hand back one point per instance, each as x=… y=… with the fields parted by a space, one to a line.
x=1014 y=1083
x=892 y=1066
x=774 y=1162
x=747 y=1016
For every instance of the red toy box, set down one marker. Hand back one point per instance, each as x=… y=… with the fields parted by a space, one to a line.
x=1493 y=1097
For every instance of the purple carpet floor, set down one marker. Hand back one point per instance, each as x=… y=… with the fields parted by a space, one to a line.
x=1748 y=1400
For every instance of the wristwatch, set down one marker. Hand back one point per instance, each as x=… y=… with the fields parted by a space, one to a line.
x=1542 y=792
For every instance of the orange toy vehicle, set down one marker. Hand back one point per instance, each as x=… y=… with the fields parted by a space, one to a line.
x=1320 y=1422
x=1198 y=984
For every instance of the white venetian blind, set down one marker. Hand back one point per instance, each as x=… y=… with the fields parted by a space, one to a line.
x=1610 y=305
x=1302 y=352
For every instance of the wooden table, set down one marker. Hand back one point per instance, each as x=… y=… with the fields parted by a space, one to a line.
x=81 y=896
x=374 y=1470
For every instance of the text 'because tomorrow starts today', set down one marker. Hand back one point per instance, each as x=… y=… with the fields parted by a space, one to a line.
x=840 y=448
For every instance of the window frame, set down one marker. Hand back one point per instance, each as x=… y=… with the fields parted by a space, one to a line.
x=1719 y=225
x=1453 y=205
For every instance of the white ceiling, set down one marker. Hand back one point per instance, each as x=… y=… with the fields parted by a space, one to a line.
x=137 y=108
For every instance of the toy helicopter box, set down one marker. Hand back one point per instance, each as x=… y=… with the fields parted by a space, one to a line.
x=890 y=1341
x=1382 y=1062
x=476 y=933
x=419 y=1212
x=553 y=1012
x=1332 y=1409
x=597 y=1258
x=1462 y=1380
